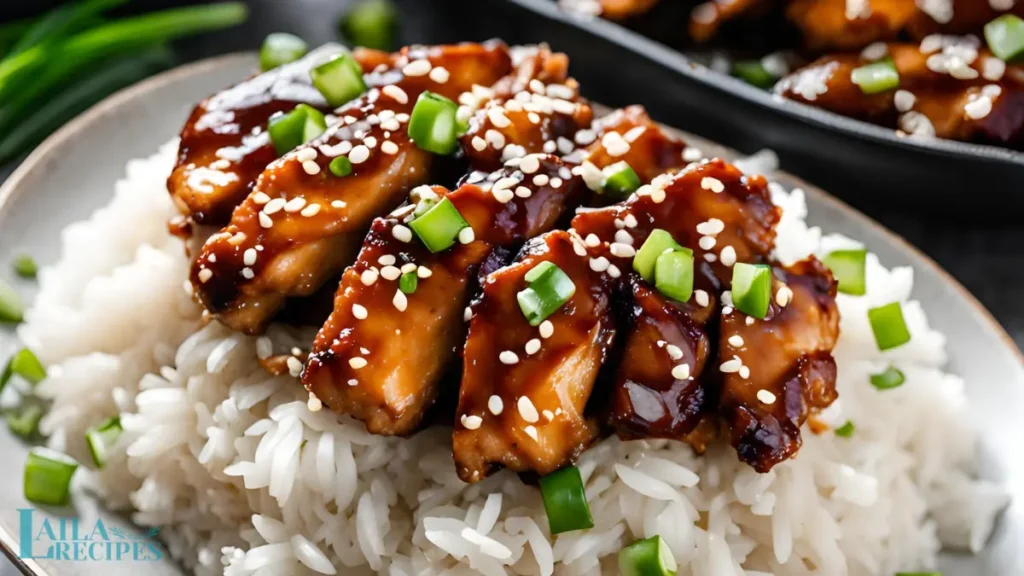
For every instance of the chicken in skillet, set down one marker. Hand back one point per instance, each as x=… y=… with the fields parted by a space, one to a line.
x=305 y=221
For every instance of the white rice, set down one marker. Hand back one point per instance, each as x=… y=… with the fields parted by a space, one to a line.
x=246 y=480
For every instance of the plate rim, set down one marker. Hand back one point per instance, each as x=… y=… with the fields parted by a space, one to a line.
x=19 y=180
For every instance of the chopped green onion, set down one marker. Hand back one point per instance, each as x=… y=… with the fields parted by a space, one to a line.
x=752 y=288
x=408 y=282
x=372 y=23
x=891 y=378
x=849 y=268
x=339 y=80
x=48 y=476
x=432 y=125
x=281 y=48
x=876 y=77
x=647 y=257
x=439 y=227
x=620 y=180
x=25 y=364
x=291 y=130
x=846 y=430
x=423 y=205
x=1005 y=36
x=673 y=274
x=888 y=325
x=340 y=166
x=753 y=72
x=565 y=501
x=25 y=266
x=25 y=421
x=102 y=438
x=11 y=308
x=649 y=557
x=550 y=288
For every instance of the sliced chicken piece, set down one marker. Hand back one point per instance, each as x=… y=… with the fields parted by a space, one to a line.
x=964 y=17
x=849 y=24
x=972 y=99
x=301 y=225
x=524 y=388
x=780 y=369
x=382 y=354
x=629 y=135
x=224 y=145
x=539 y=109
x=711 y=199
x=661 y=388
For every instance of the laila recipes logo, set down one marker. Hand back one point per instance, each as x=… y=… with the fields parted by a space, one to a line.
x=68 y=539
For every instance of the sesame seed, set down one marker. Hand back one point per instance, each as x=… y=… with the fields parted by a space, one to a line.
x=294 y=366
x=249 y=257
x=712 y=227
x=495 y=138
x=370 y=142
x=357 y=362
x=408 y=267
x=417 y=68
x=314 y=404
x=311 y=167
x=368 y=277
x=599 y=264
x=727 y=297
x=212 y=258
x=466 y=235
x=615 y=144
x=531 y=431
x=338 y=204
x=992 y=68
x=359 y=154
x=295 y=204
x=726 y=310
x=311 y=210
x=274 y=206
x=730 y=366
x=592 y=240
x=478 y=143
x=260 y=198
x=709 y=257
x=265 y=220
x=247 y=273
x=387 y=260
x=744 y=372
x=495 y=405
x=306 y=154
x=424 y=272
x=527 y=410
x=634 y=133
x=584 y=137
x=205 y=274
x=874 y=51
x=728 y=256
x=681 y=371
x=623 y=237
x=546 y=329
x=702 y=297
x=533 y=117
x=498 y=118
x=658 y=195
x=735 y=341
x=400 y=301
x=765 y=396
x=530 y=164
x=783 y=296
x=352 y=381
x=622 y=250
x=508 y=357
x=389 y=148
x=614 y=271
x=713 y=184
x=691 y=154
x=707 y=242
x=471 y=422
x=237 y=238
x=674 y=352
x=401 y=233
x=467 y=314
x=532 y=346
x=978 y=108
x=395 y=93
x=749 y=320
x=359 y=311
x=523 y=192
x=903 y=100
x=390 y=273
x=440 y=75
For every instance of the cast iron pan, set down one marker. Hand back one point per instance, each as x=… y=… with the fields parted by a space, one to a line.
x=869 y=166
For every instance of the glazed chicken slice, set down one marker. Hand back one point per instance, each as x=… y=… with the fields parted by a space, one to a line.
x=302 y=224
x=537 y=109
x=780 y=369
x=849 y=25
x=524 y=388
x=382 y=353
x=975 y=98
x=224 y=145
x=660 y=389
x=629 y=135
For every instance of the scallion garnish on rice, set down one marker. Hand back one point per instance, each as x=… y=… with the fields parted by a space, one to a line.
x=849 y=267
x=876 y=77
x=646 y=258
x=48 y=476
x=25 y=266
x=1005 y=36
x=648 y=557
x=620 y=180
x=101 y=438
x=752 y=288
x=565 y=501
x=888 y=326
x=281 y=48
x=432 y=125
x=11 y=307
x=891 y=378
x=26 y=364
x=339 y=80
x=550 y=288
x=293 y=129
x=439 y=226
x=25 y=420
x=846 y=430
